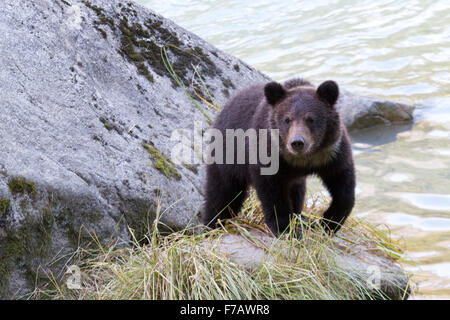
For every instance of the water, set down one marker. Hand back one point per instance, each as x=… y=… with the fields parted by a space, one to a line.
x=398 y=50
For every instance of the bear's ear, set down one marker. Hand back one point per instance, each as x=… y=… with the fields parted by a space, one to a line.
x=274 y=92
x=328 y=92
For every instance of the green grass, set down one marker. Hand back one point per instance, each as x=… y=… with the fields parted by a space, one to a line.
x=185 y=265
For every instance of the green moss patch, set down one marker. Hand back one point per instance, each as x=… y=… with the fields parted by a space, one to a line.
x=141 y=45
x=20 y=185
x=23 y=205
x=31 y=241
x=161 y=163
x=110 y=125
x=103 y=19
x=191 y=167
x=140 y=218
x=4 y=205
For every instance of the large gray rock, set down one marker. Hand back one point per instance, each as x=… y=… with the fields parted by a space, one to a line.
x=87 y=112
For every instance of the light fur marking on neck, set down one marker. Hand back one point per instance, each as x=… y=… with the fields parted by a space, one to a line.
x=314 y=160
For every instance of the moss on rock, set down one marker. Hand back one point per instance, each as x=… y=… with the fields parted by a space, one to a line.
x=139 y=45
x=191 y=167
x=161 y=163
x=4 y=205
x=110 y=125
x=31 y=241
x=140 y=217
x=20 y=185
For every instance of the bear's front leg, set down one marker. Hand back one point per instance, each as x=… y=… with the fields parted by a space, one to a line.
x=224 y=195
x=275 y=202
x=298 y=191
x=341 y=186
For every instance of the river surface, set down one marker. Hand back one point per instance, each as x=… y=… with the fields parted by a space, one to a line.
x=399 y=50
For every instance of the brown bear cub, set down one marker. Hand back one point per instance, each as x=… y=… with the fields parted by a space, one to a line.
x=312 y=140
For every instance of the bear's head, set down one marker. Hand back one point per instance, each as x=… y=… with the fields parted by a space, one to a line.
x=306 y=117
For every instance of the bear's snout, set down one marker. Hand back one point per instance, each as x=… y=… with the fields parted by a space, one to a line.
x=298 y=140
x=297 y=143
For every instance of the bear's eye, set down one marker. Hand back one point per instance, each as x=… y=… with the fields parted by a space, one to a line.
x=287 y=120
x=309 y=120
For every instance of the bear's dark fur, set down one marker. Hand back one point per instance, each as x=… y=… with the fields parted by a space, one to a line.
x=313 y=140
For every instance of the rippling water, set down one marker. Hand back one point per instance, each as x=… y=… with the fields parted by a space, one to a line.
x=390 y=49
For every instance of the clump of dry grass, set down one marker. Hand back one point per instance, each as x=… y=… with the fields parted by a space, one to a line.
x=179 y=266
